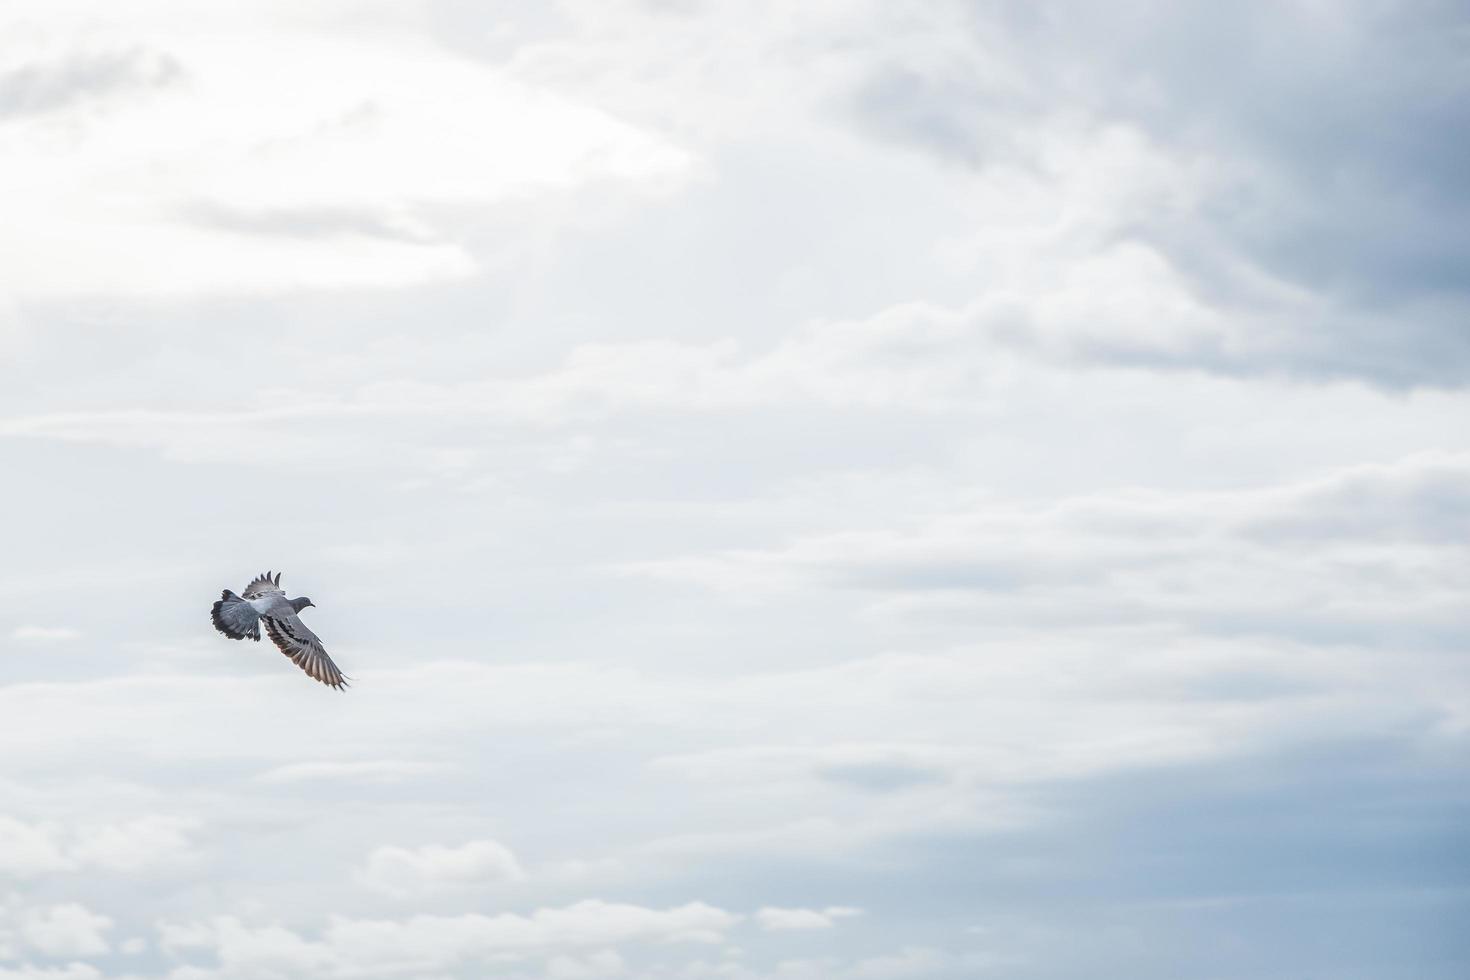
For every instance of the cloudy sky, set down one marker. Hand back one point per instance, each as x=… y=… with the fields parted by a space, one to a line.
x=840 y=490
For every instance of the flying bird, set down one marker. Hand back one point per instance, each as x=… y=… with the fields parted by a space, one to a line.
x=263 y=601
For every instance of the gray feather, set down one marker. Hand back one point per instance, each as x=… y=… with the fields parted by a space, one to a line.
x=234 y=617
x=239 y=616
x=292 y=637
x=263 y=585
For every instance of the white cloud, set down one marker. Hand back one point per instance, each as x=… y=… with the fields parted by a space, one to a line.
x=779 y=919
x=126 y=846
x=43 y=634
x=363 y=771
x=594 y=966
x=585 y=923
x=427 y=943
x=198 y=173
x=61 y=931
x=412 y=871
x=71 y=971
x=135 y=844
x=705 y=487
x=26 y=849
x=1360 y=549
x=1009 y=375
x=911 y=962
x=246 y=950
x=977 y=727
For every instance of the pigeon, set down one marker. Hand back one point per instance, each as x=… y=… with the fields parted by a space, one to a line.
x=263 y=601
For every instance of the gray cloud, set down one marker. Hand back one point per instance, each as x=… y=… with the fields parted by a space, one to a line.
x=879 y=777
x=1369 y=555
x=1334 y=135
x=48 y=86
x=307 y=222
x=916 y=459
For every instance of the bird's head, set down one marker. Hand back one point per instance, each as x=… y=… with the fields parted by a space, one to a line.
x=302 y=603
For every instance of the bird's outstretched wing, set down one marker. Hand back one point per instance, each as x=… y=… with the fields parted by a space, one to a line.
x=292 y=638
x=263 y=585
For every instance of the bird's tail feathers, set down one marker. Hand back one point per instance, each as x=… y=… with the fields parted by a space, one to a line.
x=234 y=617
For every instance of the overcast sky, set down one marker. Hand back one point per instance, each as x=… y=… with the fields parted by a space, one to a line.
x=838 y=490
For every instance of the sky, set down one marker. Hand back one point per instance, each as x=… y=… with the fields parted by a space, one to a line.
x=840 y=490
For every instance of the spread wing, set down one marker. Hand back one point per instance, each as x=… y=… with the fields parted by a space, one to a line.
x=263 y=585
x=292 y=638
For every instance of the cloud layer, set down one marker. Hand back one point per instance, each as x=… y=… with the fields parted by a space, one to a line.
x=849 y=490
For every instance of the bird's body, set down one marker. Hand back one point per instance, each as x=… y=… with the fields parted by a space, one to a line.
x=263 y=601
x=272 y=605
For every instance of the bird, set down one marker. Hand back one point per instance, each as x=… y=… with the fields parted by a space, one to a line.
x=264 y=601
